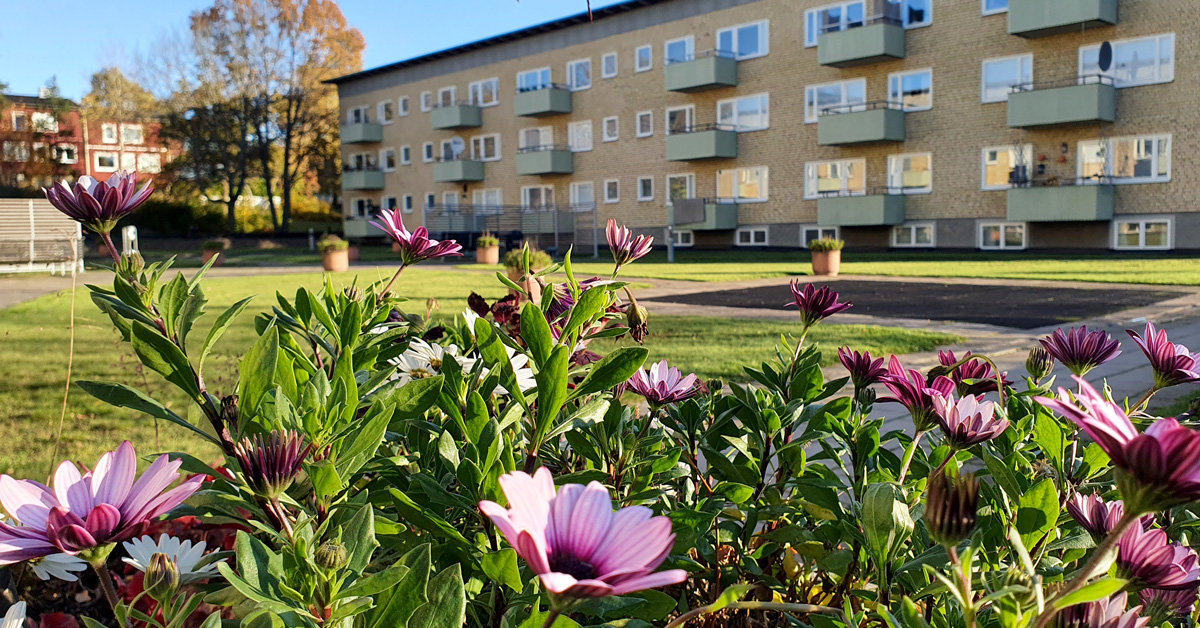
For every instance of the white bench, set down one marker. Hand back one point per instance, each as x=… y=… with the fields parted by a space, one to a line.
x=36 y=237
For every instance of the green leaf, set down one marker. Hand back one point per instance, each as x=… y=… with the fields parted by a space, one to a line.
x=535 y=331
x=257 y=372
x=359 y=538
x=1048 y=435
x=193 y=309
x=589 y=304
x=414 y=398
x=447 y=603
x=886 y=522
x=1098 y=590
x=616 y=368
x=376 y=583
x=394 y=606
x=164 y=358
x=734 y=492
x=1037 y=512
x=123 y=396
x=425 y=519
x=1003 y=475
x=496 y=357
x=551 y=390
x=730 y=595
x=220 y=326
x=502 y=567
x=324 y=477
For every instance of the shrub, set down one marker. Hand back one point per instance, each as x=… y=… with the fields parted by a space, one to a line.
x=538 y=260
x=217 y=244
x=330 y=242
x=825 y=245
x=486 y=240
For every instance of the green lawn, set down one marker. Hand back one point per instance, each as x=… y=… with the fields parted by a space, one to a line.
x=33 y=358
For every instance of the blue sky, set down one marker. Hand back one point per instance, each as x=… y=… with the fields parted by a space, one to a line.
x=70 y=40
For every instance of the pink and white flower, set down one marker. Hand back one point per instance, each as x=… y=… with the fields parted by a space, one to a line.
x=661 y=384
x=968 y=420
x=415 y=247
x=1172 y=363
x=626 y=247
x=98 y=205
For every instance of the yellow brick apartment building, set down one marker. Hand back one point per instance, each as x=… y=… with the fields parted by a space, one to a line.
x=928 y=124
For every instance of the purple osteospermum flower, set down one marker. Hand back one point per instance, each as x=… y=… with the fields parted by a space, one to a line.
x=864 y=371
x=910 y=390
x=1149 y=560
x=661 y=384
x=1081 y=350
x=1107 y=613
x=625 y=246
x=578 y=546
x=1165 y=605
x=415 y=247
x=98 y=205
x=1161 y=468
x=1173 y=364
x=815 y=304
x=973 y=377
x=967 y=421
x=270 y=464
x=84 y=511
x=1097 y=516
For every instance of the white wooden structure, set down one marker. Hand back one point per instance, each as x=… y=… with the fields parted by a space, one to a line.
x=36 y=237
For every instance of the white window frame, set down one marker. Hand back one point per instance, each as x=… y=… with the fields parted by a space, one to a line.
x=544 y=188
x=383 y=152
x=604 y=73
x=451 y=201
x=616 y=127
x=637 y=58
x=426 y=101
x=983 y=164
x=539 y=83
x=812 y=113
x=406 y=155
x=899 y=159
x=472 y=86
x=684 y=238
x=361 y=207
x=24 y=124
x=64 y=146
x=763 y=229
x=380 y=108
x=609 y=200
x=450 y=89
x=402 y=106
x=764 y=35
x=1141 y=221
x=383 y=203
x=898 y=98
x=544 y=133
x=928 y=17
x=812 y=192
x=480 y=204
x=427 y=153
x=637 y=126
x=1110 y=169
x=573 y=194
x=764 y=172
x=361 y=111
x=1158 y=47
x=691 y=117
x=478 y=143
x=913 y=226
x=764 y=99
x=837 y=233
x=817 y=35
x=571 y=74
x=691 y=186
x=1002 y=225
x=1021 y=60
x=645 y=198
x=690 y=47
x=116 y=161
x=406 y=203
x=430 y=199
x=983 y=10
x=133 y=128
x=571 y=139
x=128 y=160
x=108 y=130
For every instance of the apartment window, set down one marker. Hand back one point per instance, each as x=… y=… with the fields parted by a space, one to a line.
x=645 y=123
x=1140 y=159
x=450 y=201
x=913 y=235
x=745 y=41
x=537 y=196
x=1002 y=236
x=1005 y=165
x=913 y=90
x=1142 y=61
x=608 y=65
x=403 y=102
x=1151 y=232
x=408 y=203
x=362 y=207
x=533 y=80
x=387 y=159
x=612 y=191
x=645 y=188
x=579 y=136
x=749 y=113
x=357 y=115
x=485 y=93
x=910 y=174
x=809 y=233
x=489 y=201
x=683 y=239
x=427 y=152
x=17 y=151
x=389 y=203
x=611 y=129
x=1000 y=75
x=67 y=154
x=453 y=148
x=745 y=185
x=105 y=162
x=45 y=122
x=405 y=155
x=430 y=200
x=679 y=50
x=679 y=119
x=128 y=161
x=108 y=133
x=426 y=101
x=913 y=13
x=992 y=7
x=384 y=111
x=540 y=136
x=485 y=147
x=751 y=236
x=818 y=98
x=579 y=74
x=680 y=186
x=841 y=177
x=643 y=58
x=832 y=18
x=447 y=96
x=583 y=194
x=21 y=123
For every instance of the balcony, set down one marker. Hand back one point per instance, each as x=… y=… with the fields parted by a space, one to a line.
x=703 y=214
x=702 y=71
x=361 y=227
x=1083 y=99
x=706 y=141
x=879 y=39
x=457 y=171
x=1042 y=18
x=1070 y=201
x=548 y=100
x=363 y=179
x=362 y=133
x=459 y=115
x=879 y=121
x=547 y=159
x=876 y=207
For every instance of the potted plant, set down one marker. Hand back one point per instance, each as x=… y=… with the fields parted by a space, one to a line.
x=826 y=256
x=214 y=246
x=335 y=253
x=487 y=249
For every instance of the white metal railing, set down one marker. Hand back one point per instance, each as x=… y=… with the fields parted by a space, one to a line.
x=36 y=237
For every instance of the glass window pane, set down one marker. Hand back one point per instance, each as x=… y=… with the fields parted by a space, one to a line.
x=725 y=41
x=854 y=14
x=748 y=41
x=903 y=235
x=1135 y=62
x=1164 y=157
x=991 y=236
x=1128 y=234
x=1014 y=236
x=923 y=235
x=1156 y=234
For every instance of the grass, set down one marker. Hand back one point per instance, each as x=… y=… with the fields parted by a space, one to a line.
x=255 y=257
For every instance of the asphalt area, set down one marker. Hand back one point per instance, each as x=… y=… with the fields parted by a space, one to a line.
x=1005 y=306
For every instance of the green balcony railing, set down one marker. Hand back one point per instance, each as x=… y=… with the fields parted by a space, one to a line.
x=878 y=39
x=1062 y=201
x=706 y=141
x=702 y=71
x=1042 y=18
x=548 y=100
x=870 y=208
x=458 y=115
x=457 y=170
x=1083 y=99
x=546 y=159
x=362 y=133
x=879 y=121
x=362 y=179
x=717 y=214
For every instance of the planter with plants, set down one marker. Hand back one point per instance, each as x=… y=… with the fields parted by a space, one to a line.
x=826 y=256
x=487 y=249
x=335 y=253
x=212 y=248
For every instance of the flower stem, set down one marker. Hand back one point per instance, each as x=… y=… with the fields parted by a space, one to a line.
x=393 y=280
x=908 y=456
x=62 y=417
x=968 y=606
x=1093 y=566
x=112 y=249
x=1145 y=399
x=755 y=606
x=551 y=618
x=106 y=585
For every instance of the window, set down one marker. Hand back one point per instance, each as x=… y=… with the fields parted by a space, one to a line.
x=910 y=174
x=108 y=133
x=389 y=203
x=1155 y=232
x=680 y=186
x=46 y=122
x=745 y=41
x=608 y=65
x=913 y=90
x=537 y=196
x=612 y=191
x=818 y=98
x=387 y=159
x=832 y=18
x=683 y=239
x=533 y=80
x=21 y=123
x=408 y=203
x=430 y=200
x=67 y=154
x=751 y=236
x=611 y=129
x=583 y=194
x=643 y=58
x=453 y=149
x=845 y=177
x=913 y=13
x=485 y=93
x=403 y=102
x=1002 y=236
x=1142 y=61
x=362 y=207
x=489 y=201
x=808 y=233
x=405 y=155
x=749 y=113
x=579 y=74
x=447 y=96
x=19 y=151
x=128 y=161
x=426 y=101
x=1142 y=159
x=540 y=136
x=992 y=7
x=450 y=201
x=427 y=152
x=914 y=235
x=485 y=147
x=357 y=115
x=384 y=111
x=679 y=50
x=645 y=123
x=579 y=136
x=645 y=188
x=105 y=162
x=745 y=185
x=1006 y=165
x=679 y=119
x=1000 y=75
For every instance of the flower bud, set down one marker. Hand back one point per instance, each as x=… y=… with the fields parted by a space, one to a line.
x=162 y=578
x=715 y=385
x=940 y=370
x=636 y=317
x=131 y=264
x=353 y=293
x=951 y=508
x=1016 y=577
x=1039 y=363
x=865 y=397
x=331 y=555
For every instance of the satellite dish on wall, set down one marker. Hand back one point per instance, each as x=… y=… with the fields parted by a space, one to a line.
x=457 y=145
x=1106 y=56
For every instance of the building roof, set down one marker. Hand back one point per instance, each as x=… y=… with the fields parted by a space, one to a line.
x=32 y=101
x=546 y=27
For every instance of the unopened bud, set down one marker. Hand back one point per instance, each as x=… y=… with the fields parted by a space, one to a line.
x=636 y=318
x=715 y=385
x=1039 y=363
x=936 y=372
x=951 y=508
x=162 y=578
x=132 y=264
x=229 y=412
x=1015 y=578
x=791 y=563
x=331 y=555
x=865 y=397
x=353 y=293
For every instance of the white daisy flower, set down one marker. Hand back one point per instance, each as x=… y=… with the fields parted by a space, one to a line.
x=15 y=617
x=410 y=367
x=182 y=553
x=59 y=566
x=469 y=317
x=520 y=365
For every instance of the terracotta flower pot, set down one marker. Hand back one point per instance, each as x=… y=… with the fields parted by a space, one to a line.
x=487 y=255
x=207 y=255
x=336 y=261
x=826 y=263
x=354 y=253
